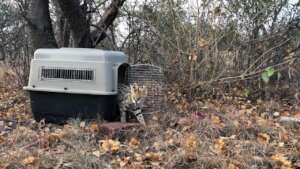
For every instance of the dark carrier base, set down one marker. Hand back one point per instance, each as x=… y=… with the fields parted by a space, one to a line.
x=60 y=107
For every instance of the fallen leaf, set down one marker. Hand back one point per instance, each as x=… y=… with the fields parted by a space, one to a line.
x=228 y=138
x=155 y=164
x=297 y=164
x=82 y=124
x=294 y=141
x=124 y=161
x=219 y=145
x=2 y=140
x=155 y=118
x=236 y=123
x=94 y=128
x=157 y=145
x=261 y=121
x=55 y=137
x=282 y=160
x=284 y=136
x=109 y=145
x=263 y=138
x=183 y=105
x=215 y=119
x=115 y=161
x=232 y=166
x=151 y=156
x=138 y=157
x=135 y=165
x=190 y=143
x=285 y=113
x=276 y=114
x=134 y=143
x=281 y=144
x=28 y=160
x=186 y=128
x=190 y=147
x=171 y=142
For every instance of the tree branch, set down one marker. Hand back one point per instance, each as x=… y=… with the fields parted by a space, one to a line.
x=80 y=25
x=109 y=16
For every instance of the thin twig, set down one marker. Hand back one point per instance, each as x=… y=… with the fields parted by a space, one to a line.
x=262 y=55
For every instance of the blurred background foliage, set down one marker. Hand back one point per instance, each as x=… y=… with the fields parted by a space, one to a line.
x=202 y=45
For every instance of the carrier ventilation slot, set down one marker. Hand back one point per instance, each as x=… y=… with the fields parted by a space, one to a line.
x=70 y=74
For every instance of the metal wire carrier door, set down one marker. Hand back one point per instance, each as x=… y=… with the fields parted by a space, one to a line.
x=153 y=78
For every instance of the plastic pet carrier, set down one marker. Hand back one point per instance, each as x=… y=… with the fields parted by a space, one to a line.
x=75 y=83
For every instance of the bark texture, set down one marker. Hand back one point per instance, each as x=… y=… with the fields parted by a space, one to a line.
x=76 y=22
x=40 y=25
x=80 y=26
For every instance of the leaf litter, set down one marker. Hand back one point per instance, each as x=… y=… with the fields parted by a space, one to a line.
x=218 y=134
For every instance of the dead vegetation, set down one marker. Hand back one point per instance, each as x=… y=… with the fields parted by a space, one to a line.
x=197 y=134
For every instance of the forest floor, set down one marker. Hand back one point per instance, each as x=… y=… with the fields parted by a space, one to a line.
x=225 y=133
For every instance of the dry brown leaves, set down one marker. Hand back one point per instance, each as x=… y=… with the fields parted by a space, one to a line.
x=232 y=166
x=190 y=145
x=237 y=137
x=134 y=143
x=280 y=158
x=219 y=146
x=109 y=146
x=32 y=161
x=263 y=138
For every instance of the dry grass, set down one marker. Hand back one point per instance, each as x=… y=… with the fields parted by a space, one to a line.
x=226 y=136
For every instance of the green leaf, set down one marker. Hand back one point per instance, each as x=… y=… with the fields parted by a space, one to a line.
x=270 y=71
x=267 y=74
x=265 y=77
x=246 y=93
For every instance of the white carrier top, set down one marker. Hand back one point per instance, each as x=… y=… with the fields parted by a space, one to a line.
x=75 y=70
x=80 y=54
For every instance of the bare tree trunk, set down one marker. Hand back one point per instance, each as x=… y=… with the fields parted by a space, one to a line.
x=62 y=26
x=75 y=22
x=66 y=34
x=40 y=25
x=80 y=26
